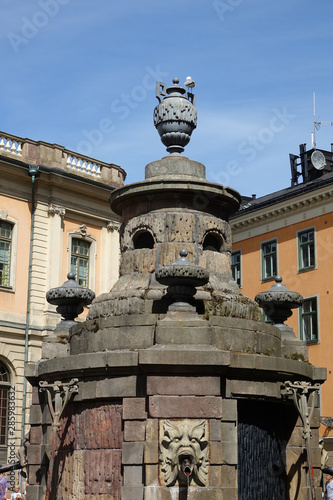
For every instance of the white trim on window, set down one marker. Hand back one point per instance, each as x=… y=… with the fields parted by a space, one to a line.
x=309 y=268
x=262 y=243
x=13 y=250
x=83 y=235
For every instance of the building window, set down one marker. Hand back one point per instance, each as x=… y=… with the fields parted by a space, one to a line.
x=5 y=252
x=306 y=250
x=80 y=260
x=269 y=260
x=236 y=266
x=309 y=320
x=4 y=390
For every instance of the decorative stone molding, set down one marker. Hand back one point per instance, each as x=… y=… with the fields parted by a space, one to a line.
x=56 y=210
x=277 y=212
x=3 y=214
x=113 y=225
x=82 y=231
x=184 y=452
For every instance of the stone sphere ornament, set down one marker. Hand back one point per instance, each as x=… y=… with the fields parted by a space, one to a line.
x=175 y=117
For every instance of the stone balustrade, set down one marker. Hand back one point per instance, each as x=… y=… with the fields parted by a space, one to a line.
x=10 y=144
x=56 y=156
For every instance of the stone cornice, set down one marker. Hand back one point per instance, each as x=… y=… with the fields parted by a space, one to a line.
x=265 y=214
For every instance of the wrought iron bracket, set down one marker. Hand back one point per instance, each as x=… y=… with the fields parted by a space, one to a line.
x=327 y=421
x=300 y=393
x=58 y=394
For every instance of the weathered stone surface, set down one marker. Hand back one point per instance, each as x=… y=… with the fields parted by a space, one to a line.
x=185 y=407
x=133 y=475
x=136 y=261
x=35 y=415
x=183 y=386
x=154 y=492
x=180 y=227
x=151 y=452
x=253 y=388
x=215 y=429
x=116 y=387
x=34 y=454
x=183 y=335
x=229 y=410
x=36 y=434
x=102 y=472
x=169 y=252
x=113 y=339
x=134 y=409
x=229 y=476
x=235 y=339
x=151 y=474
x=134 y=430
x=152 y=430
x=35 y=492
x=91 y=426
x=132 y=453
x=171 y=166
x=93 y=361
x=184 y=356
x=132 y=493
x=216 y=262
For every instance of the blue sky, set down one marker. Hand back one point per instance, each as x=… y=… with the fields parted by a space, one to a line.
x=82 y=73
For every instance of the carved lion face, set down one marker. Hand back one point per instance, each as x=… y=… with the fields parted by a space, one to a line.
x=184 y=442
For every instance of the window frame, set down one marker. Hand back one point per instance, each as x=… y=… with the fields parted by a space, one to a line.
x=312 y=313
x=300 y=268
x=91 y=258
x=13 y=251
x=262 y=260
x=5 y=385
x=233 y=266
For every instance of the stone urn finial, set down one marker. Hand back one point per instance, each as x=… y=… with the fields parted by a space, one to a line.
x=175 y=117
x=278 y=302
x=182 y=277
x=70 y=298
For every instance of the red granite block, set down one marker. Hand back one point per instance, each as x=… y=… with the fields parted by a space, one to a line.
x=134 y=409
x=134 y=430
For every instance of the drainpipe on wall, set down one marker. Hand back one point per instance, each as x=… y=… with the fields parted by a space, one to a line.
x=34 y=173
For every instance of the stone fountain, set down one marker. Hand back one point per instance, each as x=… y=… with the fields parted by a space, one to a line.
x=174 y=387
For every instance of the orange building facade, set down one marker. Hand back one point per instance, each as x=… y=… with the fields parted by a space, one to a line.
x=290 y=233
x=55 y=218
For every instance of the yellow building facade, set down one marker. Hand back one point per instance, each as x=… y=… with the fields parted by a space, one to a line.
x=54 y=219
x=290 y=233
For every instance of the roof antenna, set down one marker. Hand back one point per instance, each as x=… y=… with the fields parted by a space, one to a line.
x=316 y=124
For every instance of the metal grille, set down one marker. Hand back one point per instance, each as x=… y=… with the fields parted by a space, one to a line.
x=263 y=430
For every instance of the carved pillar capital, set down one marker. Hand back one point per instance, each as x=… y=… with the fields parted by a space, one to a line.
x=113 y=225
x=56 y=210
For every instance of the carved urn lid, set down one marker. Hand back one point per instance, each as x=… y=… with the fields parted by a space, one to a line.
x=182 y=272
x=278 y=301
x=70 y=298
x=175 y=117
x=182 y=277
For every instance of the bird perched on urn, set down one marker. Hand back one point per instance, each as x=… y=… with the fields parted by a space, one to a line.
x=189 y=83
